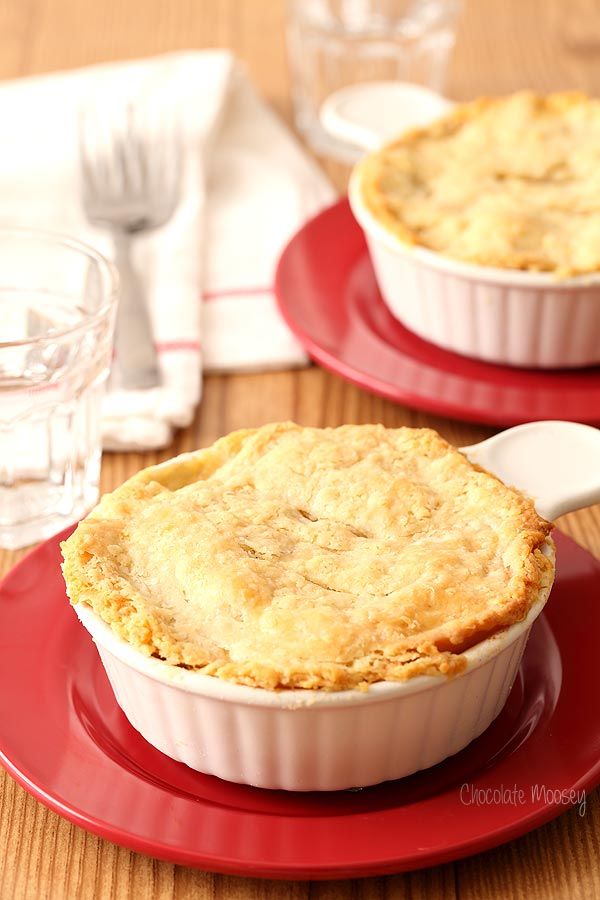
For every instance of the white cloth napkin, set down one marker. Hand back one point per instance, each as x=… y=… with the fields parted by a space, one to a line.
x=247 y=186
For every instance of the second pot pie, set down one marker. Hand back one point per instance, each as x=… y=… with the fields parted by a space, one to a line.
x=511 y=182
x=299 y=557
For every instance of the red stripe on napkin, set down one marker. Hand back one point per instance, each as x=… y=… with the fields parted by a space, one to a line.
x=236 y=292
x=177 y=346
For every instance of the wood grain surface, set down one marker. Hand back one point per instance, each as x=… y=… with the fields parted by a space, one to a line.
x=502 y=45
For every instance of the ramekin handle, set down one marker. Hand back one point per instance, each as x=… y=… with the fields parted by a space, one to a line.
x=555 y=463
x=368 y=114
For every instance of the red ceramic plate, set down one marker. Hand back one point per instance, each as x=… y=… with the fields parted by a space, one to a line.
x=327 y=293
x=63 y=737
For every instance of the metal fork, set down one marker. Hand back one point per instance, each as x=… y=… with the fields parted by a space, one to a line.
x=130 y=184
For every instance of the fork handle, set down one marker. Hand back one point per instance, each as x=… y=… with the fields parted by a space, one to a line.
x=136 y=355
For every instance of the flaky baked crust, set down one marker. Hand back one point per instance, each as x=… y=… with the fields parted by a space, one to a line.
x=311 y=558
x=511 y=182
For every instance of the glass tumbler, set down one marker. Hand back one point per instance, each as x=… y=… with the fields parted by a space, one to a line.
x=335 y=43
x=57 y=309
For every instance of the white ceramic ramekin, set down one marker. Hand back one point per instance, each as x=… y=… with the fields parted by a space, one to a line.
x=301 y=740
x=499 y=315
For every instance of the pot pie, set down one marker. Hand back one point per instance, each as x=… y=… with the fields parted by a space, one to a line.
x=299 y=557
x=512 y=182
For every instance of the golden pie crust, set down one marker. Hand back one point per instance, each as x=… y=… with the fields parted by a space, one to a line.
x=511 y=182
x=299 y=557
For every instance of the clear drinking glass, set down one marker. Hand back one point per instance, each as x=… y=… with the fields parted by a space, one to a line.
x=334 y=43
x=57 y=308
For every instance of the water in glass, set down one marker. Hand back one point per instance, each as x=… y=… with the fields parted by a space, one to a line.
x=57 y=301
x=334 y=43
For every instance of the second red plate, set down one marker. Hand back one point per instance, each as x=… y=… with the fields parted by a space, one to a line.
x=328 y=295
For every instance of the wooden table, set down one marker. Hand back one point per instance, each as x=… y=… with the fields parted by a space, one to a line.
x=501 y=46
